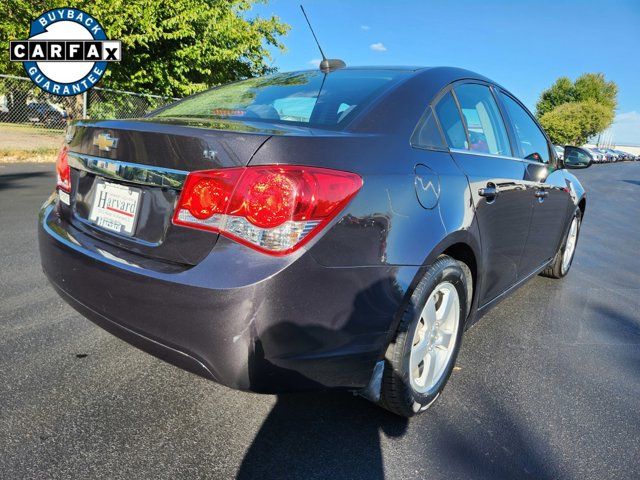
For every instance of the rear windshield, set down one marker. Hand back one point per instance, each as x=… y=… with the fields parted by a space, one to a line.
x=304 y=98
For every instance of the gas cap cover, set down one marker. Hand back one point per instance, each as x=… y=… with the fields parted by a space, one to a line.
x=427 y=185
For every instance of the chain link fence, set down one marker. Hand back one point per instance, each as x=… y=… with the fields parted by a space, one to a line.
x=24 y=104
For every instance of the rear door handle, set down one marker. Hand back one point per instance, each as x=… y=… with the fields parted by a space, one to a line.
x=541 y=194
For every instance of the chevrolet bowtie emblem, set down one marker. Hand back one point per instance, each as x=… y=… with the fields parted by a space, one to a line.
x=105 y=142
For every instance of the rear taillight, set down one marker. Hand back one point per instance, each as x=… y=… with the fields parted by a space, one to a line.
x=274 y=209
x=63 y=172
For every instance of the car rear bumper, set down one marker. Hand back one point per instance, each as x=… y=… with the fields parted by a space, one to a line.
x=243 y=319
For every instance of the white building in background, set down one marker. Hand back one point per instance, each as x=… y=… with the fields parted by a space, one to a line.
x=606 y=139
x=633 y=149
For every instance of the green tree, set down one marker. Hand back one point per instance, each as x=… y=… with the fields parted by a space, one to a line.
x=574 y=122
x=561 y=92
x=593 y=86
x=590 y=86
x=571 y=112
x=14 y=25
x=171 y=47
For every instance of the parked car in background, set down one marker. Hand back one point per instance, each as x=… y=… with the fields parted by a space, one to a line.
x=47 y=114
x=610 y=157
x=349 y=248
x=597 y=155
x=624 y=155
x=612 y=154
x=621 y=156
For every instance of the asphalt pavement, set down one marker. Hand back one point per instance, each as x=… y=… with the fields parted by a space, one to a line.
x=548 y=384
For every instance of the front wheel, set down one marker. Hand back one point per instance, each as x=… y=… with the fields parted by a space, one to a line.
x=561 y=263
x=421 y=357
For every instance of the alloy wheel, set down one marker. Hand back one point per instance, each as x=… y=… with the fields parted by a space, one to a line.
x=434 y=338
x=570 y=246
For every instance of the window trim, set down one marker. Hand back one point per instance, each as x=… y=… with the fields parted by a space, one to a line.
x=429 y=110
x=450 y=88
x=462 y=117
x=492 y=155
x=551 y=152
x=505 y=124
x=513 y=141
x=495 y=89
x=431 y=106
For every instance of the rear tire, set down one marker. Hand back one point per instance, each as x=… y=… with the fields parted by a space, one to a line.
x=421 y=357
x=563 y=259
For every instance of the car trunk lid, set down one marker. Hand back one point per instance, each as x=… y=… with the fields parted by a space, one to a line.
x=134 y=171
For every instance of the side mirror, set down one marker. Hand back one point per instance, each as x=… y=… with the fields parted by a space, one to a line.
x=575 y=157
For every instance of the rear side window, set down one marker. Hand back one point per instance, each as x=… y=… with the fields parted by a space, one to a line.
x=532 y=142
x=451 y=122
x=427 y=135
x=487 y=133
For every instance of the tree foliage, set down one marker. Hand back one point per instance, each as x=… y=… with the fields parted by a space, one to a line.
x=593 y=86
x=574 y=122
x=590 y=86
x=171 y=47
x=571 y=112
x=14 y=25
x=561 y=92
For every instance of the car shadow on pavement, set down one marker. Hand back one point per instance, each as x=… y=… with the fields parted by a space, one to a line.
x=338 y=436
x=15 y=180
x=501 y=446
x=619 y=329
x=321 y=435
x=335 y=435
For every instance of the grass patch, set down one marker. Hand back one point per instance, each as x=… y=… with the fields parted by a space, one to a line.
x=37 y=155
x=39 y=130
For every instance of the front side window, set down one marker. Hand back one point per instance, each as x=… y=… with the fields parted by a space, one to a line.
x=532 y=142
x=451 y=122
x=487 y=133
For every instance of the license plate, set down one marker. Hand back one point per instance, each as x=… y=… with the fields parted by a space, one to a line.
x=115 y=207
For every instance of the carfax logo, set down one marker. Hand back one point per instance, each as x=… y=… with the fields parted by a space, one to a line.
x=67 y=51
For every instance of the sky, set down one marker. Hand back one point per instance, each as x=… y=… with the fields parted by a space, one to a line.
x=524 y=45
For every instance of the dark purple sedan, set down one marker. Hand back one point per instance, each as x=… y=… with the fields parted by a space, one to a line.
x=312 y=230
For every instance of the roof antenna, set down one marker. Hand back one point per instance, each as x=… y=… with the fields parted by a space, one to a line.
x=326 y=65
